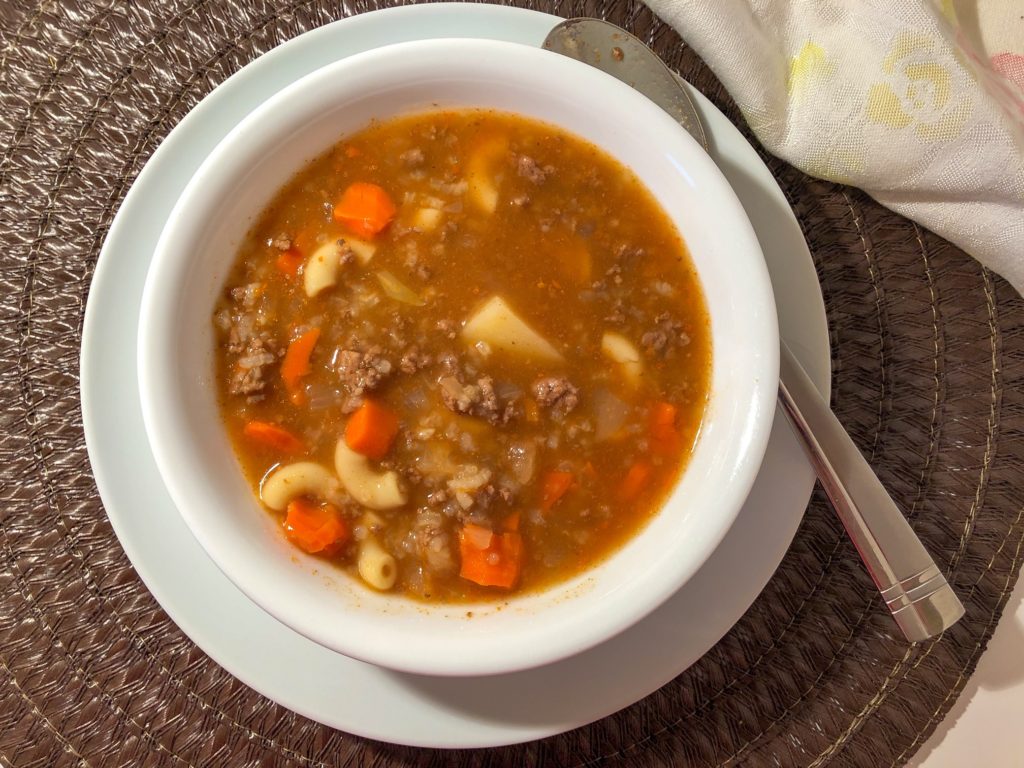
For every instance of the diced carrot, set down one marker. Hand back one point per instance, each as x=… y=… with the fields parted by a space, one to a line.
x=663 y=415
x=315 y=529
x=665 y=437
x=306 y=240
x=272 y=436
x=555 y=486
x=635 y=481
x=296 y=364
x=511 y=522
x=497 y=563
x=366 y=209
x=371 y=430
x=351 y=151
x=288 y=262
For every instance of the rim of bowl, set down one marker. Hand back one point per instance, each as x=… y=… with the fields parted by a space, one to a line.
x=550 y=642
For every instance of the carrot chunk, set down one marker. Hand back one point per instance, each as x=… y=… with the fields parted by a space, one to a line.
x=490 y=559
x=315 y=529
x=665 y=437
x=296 y=364
x=372 y=429
x=555 y=486
x=635 y=481
x=307 y=240
x=272 y=436
x=289 y=261
x=366 y=209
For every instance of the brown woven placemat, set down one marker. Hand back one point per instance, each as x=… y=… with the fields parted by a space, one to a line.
x=928 y=373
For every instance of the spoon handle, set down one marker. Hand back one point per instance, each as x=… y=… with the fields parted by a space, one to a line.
x=915 y=591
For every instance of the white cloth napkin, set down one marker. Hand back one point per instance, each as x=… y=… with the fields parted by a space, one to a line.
x=920 y=107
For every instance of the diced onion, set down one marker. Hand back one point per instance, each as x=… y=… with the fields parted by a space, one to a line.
x=609 y=414
x=398 y=290
x=478 y=536
x=522 y=459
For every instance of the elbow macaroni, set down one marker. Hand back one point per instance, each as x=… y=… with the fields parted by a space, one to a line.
x=376 y=567
x=376 y=490
x=303 y=478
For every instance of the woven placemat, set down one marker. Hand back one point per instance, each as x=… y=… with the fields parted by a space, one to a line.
x=928 y=376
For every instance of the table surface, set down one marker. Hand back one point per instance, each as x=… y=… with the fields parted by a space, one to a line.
x=929 y=374
x=983 y=727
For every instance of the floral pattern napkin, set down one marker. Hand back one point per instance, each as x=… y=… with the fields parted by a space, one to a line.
x=918 y=102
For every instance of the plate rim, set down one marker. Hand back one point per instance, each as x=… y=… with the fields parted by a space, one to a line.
x=89 y=336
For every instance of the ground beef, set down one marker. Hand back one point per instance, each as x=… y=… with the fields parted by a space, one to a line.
x=626 y=251
x=252 y=348
x=361 y=372
x=412 y=158
x=413 y=360
x=423 y=272
x=556 y=393
x=434 y=542
x=351 y=404
x=345 y=254
x=282 y=242
x=247 y=374
x=666 y=336
x=486 y=497
x=447 y=327
x=529 y=169
x=618 y=315
x=246 y=296
x=437 y=498
x=479 y=400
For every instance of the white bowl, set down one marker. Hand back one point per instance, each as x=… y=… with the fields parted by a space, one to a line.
x=195 y=457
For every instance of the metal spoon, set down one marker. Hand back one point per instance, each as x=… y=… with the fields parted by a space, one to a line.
x=915 y=591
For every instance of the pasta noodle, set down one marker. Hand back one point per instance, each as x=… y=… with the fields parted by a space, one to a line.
x=376 y=490
x=303 y=478
x=376 y=567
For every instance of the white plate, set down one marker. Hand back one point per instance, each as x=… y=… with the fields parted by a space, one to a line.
x=328 y=687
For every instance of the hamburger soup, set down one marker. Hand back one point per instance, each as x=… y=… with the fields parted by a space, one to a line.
x=462 y=354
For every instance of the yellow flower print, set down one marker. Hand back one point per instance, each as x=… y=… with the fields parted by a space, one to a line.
x=918 y=91
x=837 y=162
x=804 y=68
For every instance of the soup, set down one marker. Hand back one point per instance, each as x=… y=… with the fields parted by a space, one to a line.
x=462 y=354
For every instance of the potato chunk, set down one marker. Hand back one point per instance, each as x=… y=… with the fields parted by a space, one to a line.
x=622 y=351
x=321 y=270
x=498 y=326
x=427 y=219
x=481 y=172
x=363 y=250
